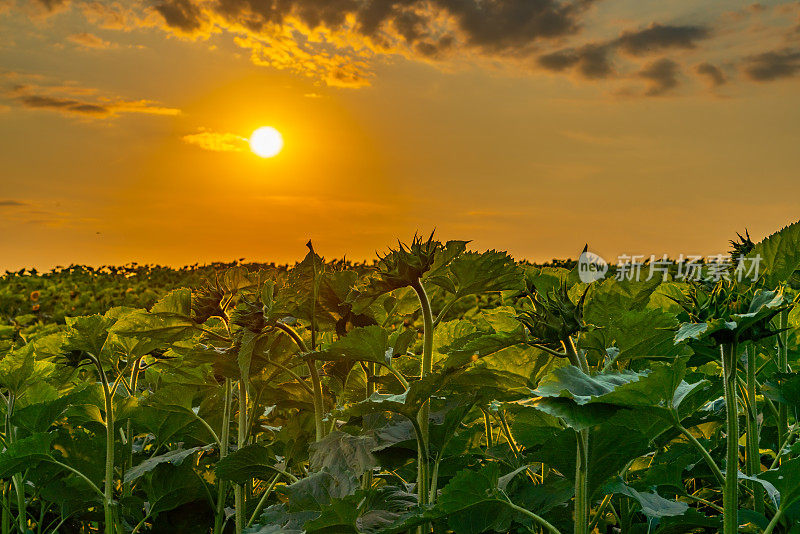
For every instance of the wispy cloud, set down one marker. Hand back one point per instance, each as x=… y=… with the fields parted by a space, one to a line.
x=12 y=204
x=774 y=65
x=712 y=74
x=76 y=100
x=89 y=40
x=217 y=141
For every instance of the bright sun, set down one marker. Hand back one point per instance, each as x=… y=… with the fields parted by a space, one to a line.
x=266 y=142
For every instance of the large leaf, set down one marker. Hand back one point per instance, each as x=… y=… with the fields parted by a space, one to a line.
x=779 y=255
x=25 y=453
x=249 y=462
x=782 y=484
x=16 y=368
x=652 y=504
x=583 y=400
x=473 y=273
x=87 y=333
x=472 y=503
x=172 y=486
x=480 y=344
x=343 y=454
x=175 y=457
x=368 y=344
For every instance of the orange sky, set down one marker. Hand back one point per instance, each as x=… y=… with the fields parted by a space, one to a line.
x=533 y=127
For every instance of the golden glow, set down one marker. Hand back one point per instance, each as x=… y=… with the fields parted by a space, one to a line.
x=266 y=142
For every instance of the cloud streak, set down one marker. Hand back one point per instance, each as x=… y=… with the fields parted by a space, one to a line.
x=774 y=65
x=216 y=141
x=89 y=40
x=70 y=99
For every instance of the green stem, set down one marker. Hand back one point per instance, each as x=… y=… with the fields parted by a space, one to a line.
x=582 y=504
x=219 y=518
x=140 y=524
x=576 y=358
x=6 y=506
x=731 y=490
x=783 y=445
x=298 y=378
x=397 y=374
x=487 y=423
x=422 y=447
x=369 y=370
x=127 y=487
x=16 y=479
x=703 y=451
x=753 y=451
x=582 y=484
x=775 y=519
x=783 y=367
x=78 y=473
x=600 y=509
x=710 y=504
x=238 y=489
x=263 y=500
x=427 y=368
x=444 y=311
x=319 y=407
x=22 y=514
x=108 y=482
x=547 y=526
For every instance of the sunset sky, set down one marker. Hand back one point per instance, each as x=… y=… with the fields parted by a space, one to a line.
x=532 y=126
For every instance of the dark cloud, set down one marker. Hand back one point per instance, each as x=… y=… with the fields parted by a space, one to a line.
x=52 y=5
x=63 y=104
x=505 y=24
x=773 y=65
x=183 y=15
x=12 y=204
x=595 y=60
x=75 y=100
x=336 y=41
x=712 y=73
x=592 y=61
x=658 y=37
x=662 y=75
x=493 y=25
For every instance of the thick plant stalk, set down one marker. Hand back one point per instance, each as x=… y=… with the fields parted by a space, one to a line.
x=108 y=482
x=427 y=368
x=128 y=427
x=6 y=507
x=369 y=367
x=319 y=406
x=16 y=479
x=582 y=453
x=219 y=518
x=731 y=491
x=753 y=451
x=238 y=489
x=783 y=367
x=582 y=484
